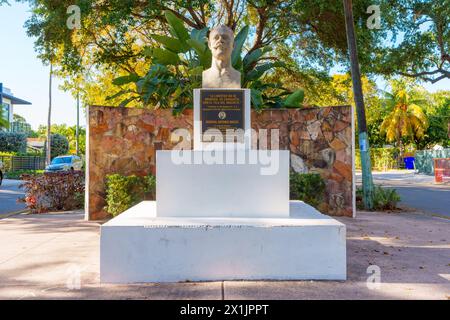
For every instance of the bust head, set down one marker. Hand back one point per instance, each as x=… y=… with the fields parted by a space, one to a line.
x=221 y=42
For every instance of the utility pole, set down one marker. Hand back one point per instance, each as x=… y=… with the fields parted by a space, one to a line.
x=49 y=142
x=364 y=147
x=78 y=122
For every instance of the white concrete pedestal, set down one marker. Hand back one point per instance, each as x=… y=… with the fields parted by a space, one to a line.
x=138 y=246
x=258 y=187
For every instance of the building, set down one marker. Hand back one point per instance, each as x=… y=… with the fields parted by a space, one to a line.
x=8 y=101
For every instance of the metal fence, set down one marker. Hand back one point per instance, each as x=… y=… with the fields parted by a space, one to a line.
x=12 y=163
x=424 y=159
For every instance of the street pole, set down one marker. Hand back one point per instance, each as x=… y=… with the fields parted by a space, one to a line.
x=78 y=123
x=367 y=182
x=49 y=142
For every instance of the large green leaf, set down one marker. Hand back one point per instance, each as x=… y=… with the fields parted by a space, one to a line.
x=202 y=51
x=256 y=97
x=261 y=69
x=239 y=41
x=199 y=34
x=254 y=56
x=176 y=26
x=295 y=99
x=197 y=71
x=199 y=47
x=170 y=43
x=165 y=57
x=126 y=79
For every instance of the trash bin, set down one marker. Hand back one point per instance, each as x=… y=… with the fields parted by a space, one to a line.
x=409 y=163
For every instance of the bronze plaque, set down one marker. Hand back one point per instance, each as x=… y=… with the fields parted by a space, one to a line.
x=222 y=110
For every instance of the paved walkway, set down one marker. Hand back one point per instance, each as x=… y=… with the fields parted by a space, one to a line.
x=417 y=191
x=51 y=256
x=9 y=193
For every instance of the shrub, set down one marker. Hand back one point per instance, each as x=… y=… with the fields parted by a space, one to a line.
x=59 y=145
x=54 y=191
x=383 y=198
x=17 y=174
x=122 y=192
x=308 y=187
x=13 y=142
x=380 y=158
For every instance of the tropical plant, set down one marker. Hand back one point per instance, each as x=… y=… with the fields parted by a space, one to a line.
x=406 y=119
x=179 y=60
x=308 y=187
x=383 y=198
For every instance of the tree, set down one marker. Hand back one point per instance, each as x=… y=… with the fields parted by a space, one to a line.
x=48 y=147
x=69 y=133
x=418 y=42
x=360 y=109
x=19 y=118
x=114 y=35
x=438 y=114
x=406 y=118
x=60 y=145
x=178 y=62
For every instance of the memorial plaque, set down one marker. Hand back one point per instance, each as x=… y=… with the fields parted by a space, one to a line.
x=221 y=110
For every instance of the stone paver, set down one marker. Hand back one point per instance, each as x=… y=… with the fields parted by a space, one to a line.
x=47 y=256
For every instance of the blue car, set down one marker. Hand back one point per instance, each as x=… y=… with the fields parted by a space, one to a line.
x=65 y=163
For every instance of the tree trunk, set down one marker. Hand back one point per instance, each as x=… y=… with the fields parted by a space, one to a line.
x=364 y=147
x=49 y=142
x=78 y=124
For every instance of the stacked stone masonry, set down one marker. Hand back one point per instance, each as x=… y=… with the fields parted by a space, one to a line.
x=125 y=140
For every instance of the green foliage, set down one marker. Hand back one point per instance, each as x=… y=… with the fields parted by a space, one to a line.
x=381 y=158
x=405 y=120
x=417 y=44
x=59 y=145
x=438 y=116
x=69 y=133
x=308 y=187
x=122 y=192
x=383 y=198
x=54 y=191
x=178 y=62
x=13 y=142
x=17 y=174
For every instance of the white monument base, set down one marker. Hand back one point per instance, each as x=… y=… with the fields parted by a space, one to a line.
x=138 y=246
x=252 y=189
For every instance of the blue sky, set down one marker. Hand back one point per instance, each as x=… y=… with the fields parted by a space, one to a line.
x=27 y=77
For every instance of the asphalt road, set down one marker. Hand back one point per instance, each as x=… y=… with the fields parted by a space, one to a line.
x=416 y=190
x=9 y=193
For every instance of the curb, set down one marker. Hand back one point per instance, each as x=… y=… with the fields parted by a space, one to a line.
x=10 y=214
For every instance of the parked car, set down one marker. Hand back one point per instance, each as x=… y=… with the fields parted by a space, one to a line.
x=1 y=172
x=65 y=163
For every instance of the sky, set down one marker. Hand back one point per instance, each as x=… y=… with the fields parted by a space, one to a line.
x=26 y=76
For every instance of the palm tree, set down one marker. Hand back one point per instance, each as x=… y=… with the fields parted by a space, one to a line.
x=406 y=118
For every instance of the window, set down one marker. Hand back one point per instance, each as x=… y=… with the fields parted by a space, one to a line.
x=5 y=110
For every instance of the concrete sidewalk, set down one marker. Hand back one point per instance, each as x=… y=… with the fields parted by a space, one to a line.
x=50 y=256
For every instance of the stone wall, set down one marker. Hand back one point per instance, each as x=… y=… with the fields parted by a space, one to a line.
x=125 y=140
